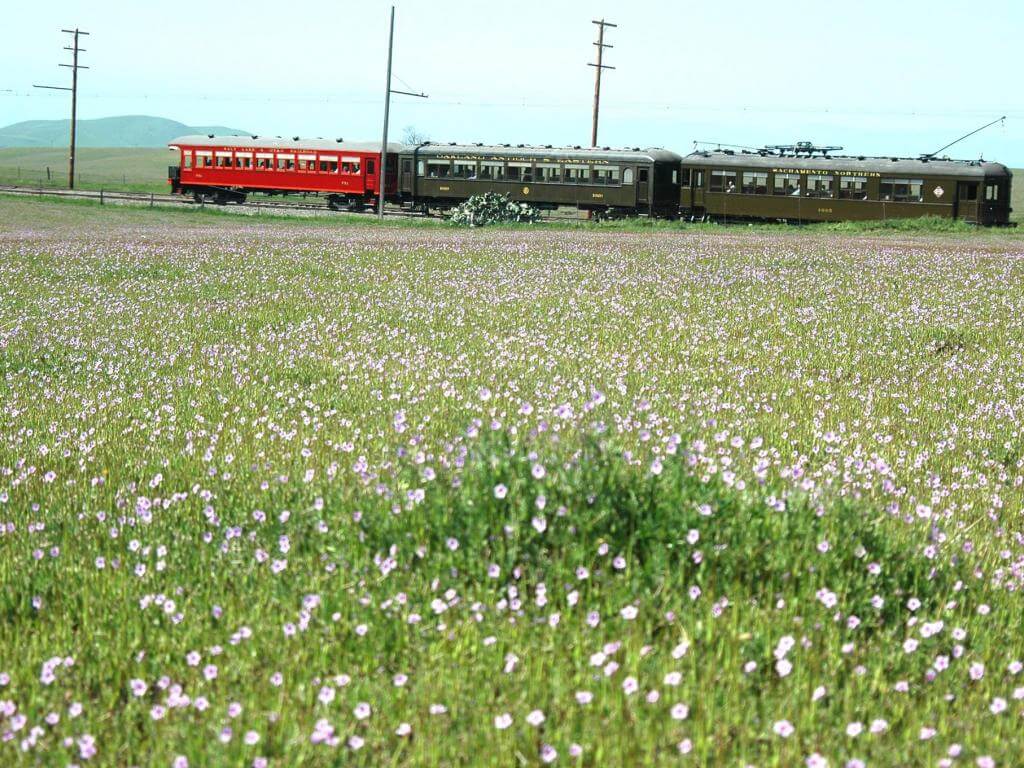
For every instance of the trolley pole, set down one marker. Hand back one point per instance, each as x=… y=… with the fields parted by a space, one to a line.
x=601 y=45
x=388 y=90
x=74 y=66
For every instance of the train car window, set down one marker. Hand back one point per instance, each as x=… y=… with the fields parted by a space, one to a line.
x=902 y=190
x=610 y=174
x=285 y=162
x=820 y=185
x=685 y=177
x=992 y=192
x=675 y=175
x=223 y=161
x=549 y=172
x=723 y=181
x=204 y=159
x=786 y=184
x=853 y=188
x=264 y=162
x=307 y=163
x=969 y=191
x=369 y=166
x=463 y=170
x=643 y=175
x=350 y=165
x=407 y=166
x=577 y=174
x=755 y=183
x=438 y=169
x=698 y=179
x=421 y=169
x=627 y=176
x=494 y=171
x=520 y=172
x=186 y=159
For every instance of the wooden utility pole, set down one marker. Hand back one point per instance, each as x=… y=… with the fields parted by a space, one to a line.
x=388 y=90
x=74 y=66
x=601 y=45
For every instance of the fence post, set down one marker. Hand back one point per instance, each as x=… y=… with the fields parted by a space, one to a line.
x=101 y=196
x=47 y=173
x=150 y=199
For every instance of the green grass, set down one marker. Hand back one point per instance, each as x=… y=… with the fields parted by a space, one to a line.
x=471 y=428
x=88 y=213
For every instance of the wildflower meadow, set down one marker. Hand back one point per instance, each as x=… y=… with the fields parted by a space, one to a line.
x=282 y=494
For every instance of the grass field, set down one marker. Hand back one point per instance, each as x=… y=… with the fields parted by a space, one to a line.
x=135 y=170
x=277 y=493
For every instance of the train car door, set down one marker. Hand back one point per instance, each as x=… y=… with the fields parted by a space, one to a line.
x=405 y=183
x=370 y=170
x=643 y=183
x=966 y=205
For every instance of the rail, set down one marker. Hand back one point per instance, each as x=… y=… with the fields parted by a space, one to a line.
x=151 y=200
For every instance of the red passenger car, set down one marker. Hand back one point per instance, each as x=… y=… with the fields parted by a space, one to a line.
x=226 y=168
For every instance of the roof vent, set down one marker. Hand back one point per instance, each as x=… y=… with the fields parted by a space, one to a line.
x=520 y=146
x=547 y=146
x=576 y=146
x=295 y=138
x=339 y=139
x=894 y=159
x=209 y=135
x=605 y=148
x=255 y=136
x=861 y=157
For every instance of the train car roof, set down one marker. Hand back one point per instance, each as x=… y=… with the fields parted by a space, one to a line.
x=904 y=166
x=509 y=151
x=276 y=142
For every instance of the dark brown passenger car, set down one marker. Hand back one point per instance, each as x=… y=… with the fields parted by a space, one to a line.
x=610 y=181
x=773 y=186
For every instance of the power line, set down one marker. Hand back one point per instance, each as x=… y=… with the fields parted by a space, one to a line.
x=74 y=66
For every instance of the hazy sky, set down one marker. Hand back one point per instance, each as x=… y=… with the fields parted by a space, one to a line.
x=876 y=76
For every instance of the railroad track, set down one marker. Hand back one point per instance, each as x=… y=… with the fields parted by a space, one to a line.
x=152 y=200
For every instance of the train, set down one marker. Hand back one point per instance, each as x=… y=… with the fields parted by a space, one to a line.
x=796 y=183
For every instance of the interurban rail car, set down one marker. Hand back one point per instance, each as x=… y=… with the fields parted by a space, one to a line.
x=225 y=169
x=769 y=185
x=776 y=186
x=615 y=182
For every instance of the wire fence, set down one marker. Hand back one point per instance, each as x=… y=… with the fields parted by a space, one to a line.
x=57 y=178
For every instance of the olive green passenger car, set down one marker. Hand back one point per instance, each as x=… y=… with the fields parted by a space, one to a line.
x=725 y=185
x=608 y=181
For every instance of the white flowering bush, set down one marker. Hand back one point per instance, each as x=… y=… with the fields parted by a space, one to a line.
x=492 y=208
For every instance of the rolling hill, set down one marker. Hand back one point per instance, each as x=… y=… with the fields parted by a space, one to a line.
x=125 y=131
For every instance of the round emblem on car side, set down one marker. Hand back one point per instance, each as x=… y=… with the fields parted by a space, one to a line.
x=526 y=190
x=939 y=191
